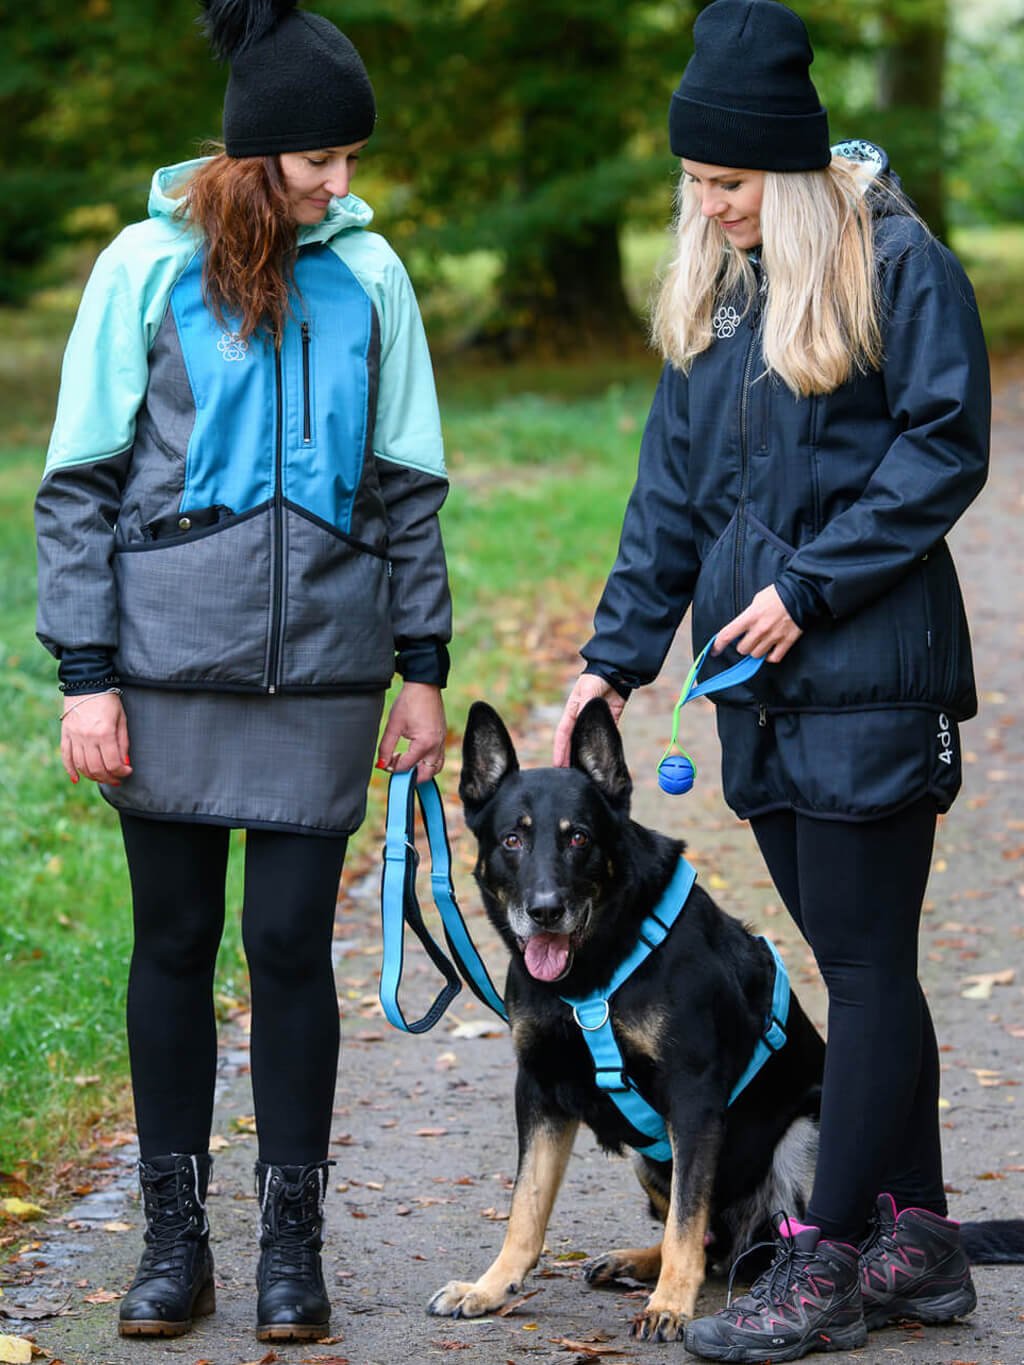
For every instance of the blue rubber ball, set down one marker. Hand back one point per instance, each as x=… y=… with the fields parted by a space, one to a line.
x=675 y=774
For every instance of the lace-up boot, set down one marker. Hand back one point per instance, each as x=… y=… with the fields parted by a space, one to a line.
x=807 y=1300
x=174 y=1281
x=293 y=1303
x=912 y=1266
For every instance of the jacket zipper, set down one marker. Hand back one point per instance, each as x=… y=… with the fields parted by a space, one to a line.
x=307 y=424
x=277 y=540
x=744 y=462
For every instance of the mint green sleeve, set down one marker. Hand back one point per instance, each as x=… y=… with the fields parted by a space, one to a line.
x=105 y=369
x=408 y=425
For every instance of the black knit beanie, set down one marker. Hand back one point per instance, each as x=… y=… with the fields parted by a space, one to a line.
x=746 y=98
x=296 y=81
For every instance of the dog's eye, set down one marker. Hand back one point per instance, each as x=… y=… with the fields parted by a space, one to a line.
x=579 y=838
x=512 y=841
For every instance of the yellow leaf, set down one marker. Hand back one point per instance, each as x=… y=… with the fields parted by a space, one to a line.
x=117 y=1227
x=18 y=1208
x=218 y=1143
x=15 y=1351
x=717 y=883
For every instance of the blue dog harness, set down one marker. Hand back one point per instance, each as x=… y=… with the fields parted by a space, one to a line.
x=593 y=1014
x=400 y=906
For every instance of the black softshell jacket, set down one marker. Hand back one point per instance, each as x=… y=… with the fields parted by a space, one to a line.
x=843 y=501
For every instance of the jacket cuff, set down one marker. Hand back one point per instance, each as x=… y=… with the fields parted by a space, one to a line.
x=88 y=669
x=804 y=603
x=423 y=661
x=623 y=683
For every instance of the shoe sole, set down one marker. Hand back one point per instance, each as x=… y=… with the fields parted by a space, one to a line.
x=845 y=1339
x=205 y=1304
x=931 y=1311
x=292 y=1331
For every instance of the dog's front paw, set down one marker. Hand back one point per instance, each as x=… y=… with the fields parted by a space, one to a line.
x=643 y=1264
x=459 y=1299
x=659 y=1324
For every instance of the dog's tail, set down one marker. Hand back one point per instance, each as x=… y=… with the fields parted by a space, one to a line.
x=998 y=1241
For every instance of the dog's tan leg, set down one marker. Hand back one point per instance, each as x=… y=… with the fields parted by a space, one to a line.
x=541 y=1169
x=674 y=1297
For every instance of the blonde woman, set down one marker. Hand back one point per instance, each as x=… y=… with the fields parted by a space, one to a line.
x=821 y=422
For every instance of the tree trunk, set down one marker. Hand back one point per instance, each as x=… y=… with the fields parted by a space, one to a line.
x=911 y=74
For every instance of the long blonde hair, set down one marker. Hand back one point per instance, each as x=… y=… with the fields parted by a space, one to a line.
x=821 y=313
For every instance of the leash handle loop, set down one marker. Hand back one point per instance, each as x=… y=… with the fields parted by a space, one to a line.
x=400 y=907
x=729 y=677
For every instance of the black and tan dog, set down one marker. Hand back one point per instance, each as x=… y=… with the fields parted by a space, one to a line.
x=568 y=878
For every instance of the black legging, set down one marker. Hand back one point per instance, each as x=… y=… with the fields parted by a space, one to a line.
x=291 y=885
x=855 y=890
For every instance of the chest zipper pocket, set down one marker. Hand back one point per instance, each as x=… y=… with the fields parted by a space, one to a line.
x=307 y=418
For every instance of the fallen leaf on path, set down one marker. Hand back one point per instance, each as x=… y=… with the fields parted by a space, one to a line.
x=244 y=1123
x=452 y=1345
x=33 y=1312
x=495 y=1215
x=117 y=1227
x=583 y=1350
x=572 y=1256
x=518 y=1303
x=476 y=1028
x=982 y=983
x=217 y=1144
x=21 y=1209
x=431 y=1132
x=15 y=1351
x=102 y=1296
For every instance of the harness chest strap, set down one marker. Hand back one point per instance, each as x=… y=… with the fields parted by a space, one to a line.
x=593 y=1015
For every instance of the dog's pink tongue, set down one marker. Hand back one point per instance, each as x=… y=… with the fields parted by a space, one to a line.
x=547 y=956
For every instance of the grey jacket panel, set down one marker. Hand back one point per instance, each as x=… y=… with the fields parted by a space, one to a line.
x=76 y=509
x=420 y=601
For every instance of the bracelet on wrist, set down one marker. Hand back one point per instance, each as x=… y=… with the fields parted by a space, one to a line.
x=73 y=689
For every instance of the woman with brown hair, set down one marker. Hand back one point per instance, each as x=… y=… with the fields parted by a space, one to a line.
x=238 y=546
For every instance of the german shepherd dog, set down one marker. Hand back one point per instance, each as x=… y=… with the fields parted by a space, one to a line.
x=567 y=879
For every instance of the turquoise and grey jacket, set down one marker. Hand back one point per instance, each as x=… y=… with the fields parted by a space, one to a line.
x=220 y=514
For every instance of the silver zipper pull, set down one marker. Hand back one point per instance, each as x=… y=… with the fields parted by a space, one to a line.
x=762 y=716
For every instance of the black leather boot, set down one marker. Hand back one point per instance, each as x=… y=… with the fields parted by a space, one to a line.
x=293 y=1303
x=174 y=1281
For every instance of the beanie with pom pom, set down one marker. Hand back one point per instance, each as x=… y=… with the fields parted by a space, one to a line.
x=297 y=84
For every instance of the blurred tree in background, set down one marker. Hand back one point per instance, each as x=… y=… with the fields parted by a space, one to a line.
x=533 y=129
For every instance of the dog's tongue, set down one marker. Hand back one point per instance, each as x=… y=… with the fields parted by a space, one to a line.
x=547 y=956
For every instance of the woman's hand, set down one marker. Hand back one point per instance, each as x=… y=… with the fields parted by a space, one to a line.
x=764 y=630
x=94 y=738
x=418 y=716
x=587 y=686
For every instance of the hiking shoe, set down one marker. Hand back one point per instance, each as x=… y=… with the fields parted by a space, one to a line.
x=913 y=1267
x=807 y=1300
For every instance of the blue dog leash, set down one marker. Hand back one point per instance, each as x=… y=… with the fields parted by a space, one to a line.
x=400 y=906
x=592 y=1013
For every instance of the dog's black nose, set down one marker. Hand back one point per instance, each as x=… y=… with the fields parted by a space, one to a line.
x=546 y=909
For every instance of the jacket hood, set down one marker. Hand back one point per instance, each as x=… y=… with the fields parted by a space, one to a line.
x=165 y=198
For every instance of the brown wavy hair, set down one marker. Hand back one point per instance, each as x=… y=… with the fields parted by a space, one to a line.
x=241 y=207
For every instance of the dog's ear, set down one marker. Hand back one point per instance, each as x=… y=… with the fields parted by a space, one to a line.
x=488 y=757
x=597 y=751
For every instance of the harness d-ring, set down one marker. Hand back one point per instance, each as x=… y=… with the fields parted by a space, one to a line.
x=592 y=1028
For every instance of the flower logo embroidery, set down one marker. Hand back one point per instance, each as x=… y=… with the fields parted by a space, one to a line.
x=232 y=346
x=725 y=322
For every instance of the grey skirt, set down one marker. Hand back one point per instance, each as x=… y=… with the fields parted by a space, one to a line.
x=297 y=763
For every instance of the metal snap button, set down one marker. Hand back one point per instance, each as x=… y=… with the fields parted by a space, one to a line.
x=184 y=523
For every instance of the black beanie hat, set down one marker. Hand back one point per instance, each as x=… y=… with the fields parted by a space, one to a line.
x=296 y=81
x=746 y=98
